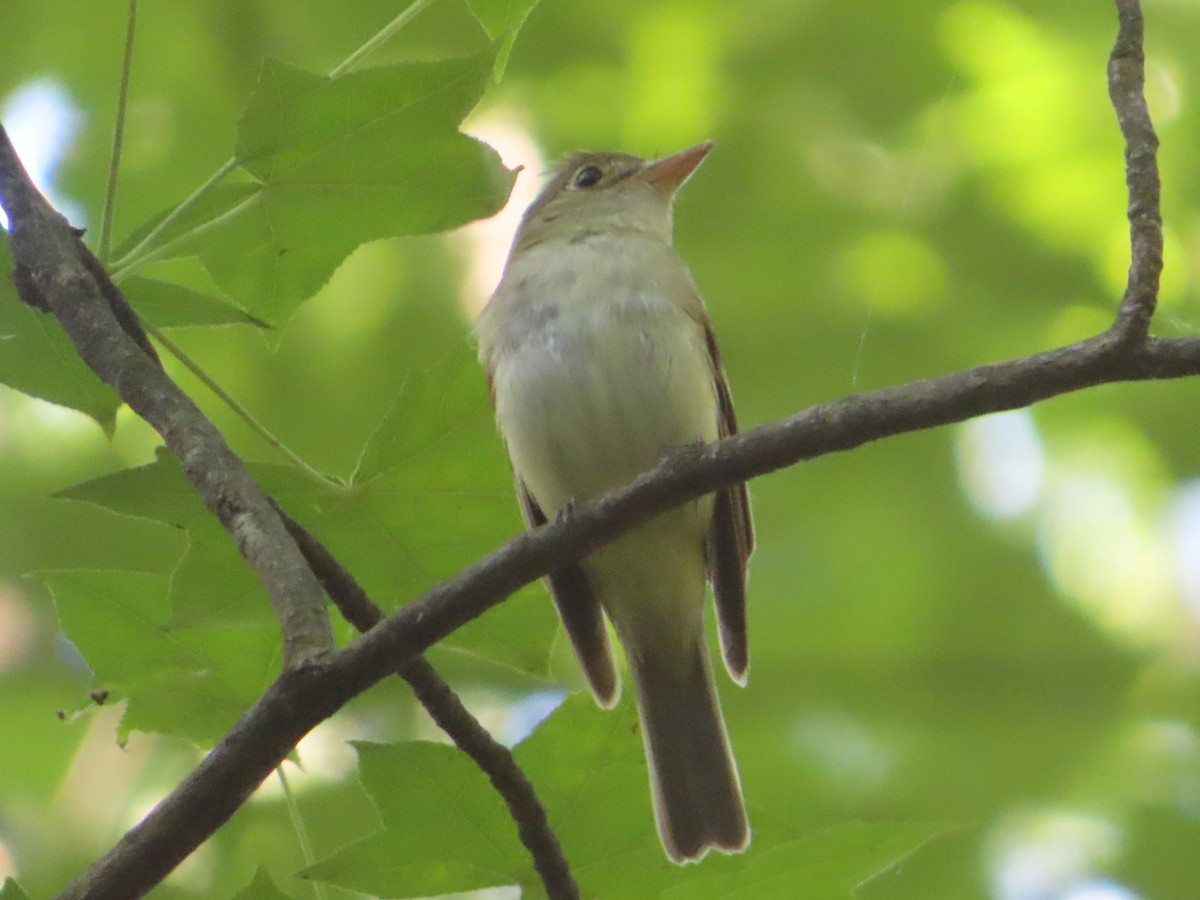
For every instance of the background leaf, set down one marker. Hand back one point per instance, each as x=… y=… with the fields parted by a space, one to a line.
x=261 y=888
x=37 y=359
x=189 y=682
x=338 y=162
x=502 y=19
x=429 y=796
x=170 y=305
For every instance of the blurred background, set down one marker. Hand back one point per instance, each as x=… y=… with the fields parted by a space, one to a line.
x=991 y=626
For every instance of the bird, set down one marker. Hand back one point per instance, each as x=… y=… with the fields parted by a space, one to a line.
x=600 y=358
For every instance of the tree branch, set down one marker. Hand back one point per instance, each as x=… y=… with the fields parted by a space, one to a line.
x=444 y=706
x=303 y=697
x=57 y=273
x=1126 y=89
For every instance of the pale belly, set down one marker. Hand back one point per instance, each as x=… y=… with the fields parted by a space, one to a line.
x=588 y=402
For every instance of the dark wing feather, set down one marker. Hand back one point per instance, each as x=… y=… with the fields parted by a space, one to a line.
x=581 y=616
x=730 y=540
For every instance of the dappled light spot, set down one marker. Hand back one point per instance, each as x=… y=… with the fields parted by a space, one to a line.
x=373 y=275
x=42 y=122
x=895 y=273
x=1096 y=499
x=1023 y=105
x=485 y=243
x=849 y=755
x=1158 y=763
x=1108 y=558
x=1164 y=91
x=1039 y=853
x=18 y=629
x=44 y=435
x=1001 y=463
x=8 y=868
x=1185 y=540
x=528 y=713
x=675 y=87
x=1020 y=115
x=861 y=170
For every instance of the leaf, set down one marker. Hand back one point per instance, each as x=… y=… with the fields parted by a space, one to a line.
x=445 y=828
x=169 y=305
x=193 y=683
x=441 y=421
x=33 y=766
x=212 y=584
x=105 y=613
x=262 y=887
x=502 y=19
x=434 y=483
x=12 y=891
x=372 y=154
x=827 y=864
x=37 y=358
x=430 y=495
x=228 y=670
x=588 y=768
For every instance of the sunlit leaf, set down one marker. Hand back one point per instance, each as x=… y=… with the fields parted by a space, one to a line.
x=375 y=153
x=169 y=305
x=445 y=827
x=191 y=683
x=502 y=19
x=263 y=887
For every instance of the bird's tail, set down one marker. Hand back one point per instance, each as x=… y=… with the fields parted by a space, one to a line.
x=693 y=777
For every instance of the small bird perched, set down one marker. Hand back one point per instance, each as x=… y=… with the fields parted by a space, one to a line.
x=601 y=357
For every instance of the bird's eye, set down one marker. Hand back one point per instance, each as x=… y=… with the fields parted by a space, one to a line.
x=587 y=177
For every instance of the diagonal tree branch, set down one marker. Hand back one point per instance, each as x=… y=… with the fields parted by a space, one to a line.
x=57 y=273
x=304 y=696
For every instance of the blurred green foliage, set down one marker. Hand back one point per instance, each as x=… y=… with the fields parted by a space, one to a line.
x=975 y=663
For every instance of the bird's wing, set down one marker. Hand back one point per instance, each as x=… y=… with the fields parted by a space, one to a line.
x=731 y=537
x=581 y=616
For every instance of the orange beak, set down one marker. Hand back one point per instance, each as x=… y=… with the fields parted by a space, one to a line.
x=669 y=174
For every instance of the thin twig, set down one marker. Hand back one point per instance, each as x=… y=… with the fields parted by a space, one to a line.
x=381 y=37
x=1126 y=90
x=298 y=826
x=114 y=162
x=448 y=711
x=234 y=404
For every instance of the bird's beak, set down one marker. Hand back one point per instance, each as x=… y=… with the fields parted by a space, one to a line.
x=669 y=174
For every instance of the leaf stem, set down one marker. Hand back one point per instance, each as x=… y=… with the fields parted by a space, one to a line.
x=114 y=163
x=302 y=837
x=225 y=397
x=137 y=256
x=380 y=38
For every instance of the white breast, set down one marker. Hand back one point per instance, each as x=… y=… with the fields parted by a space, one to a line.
x=595 y=370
